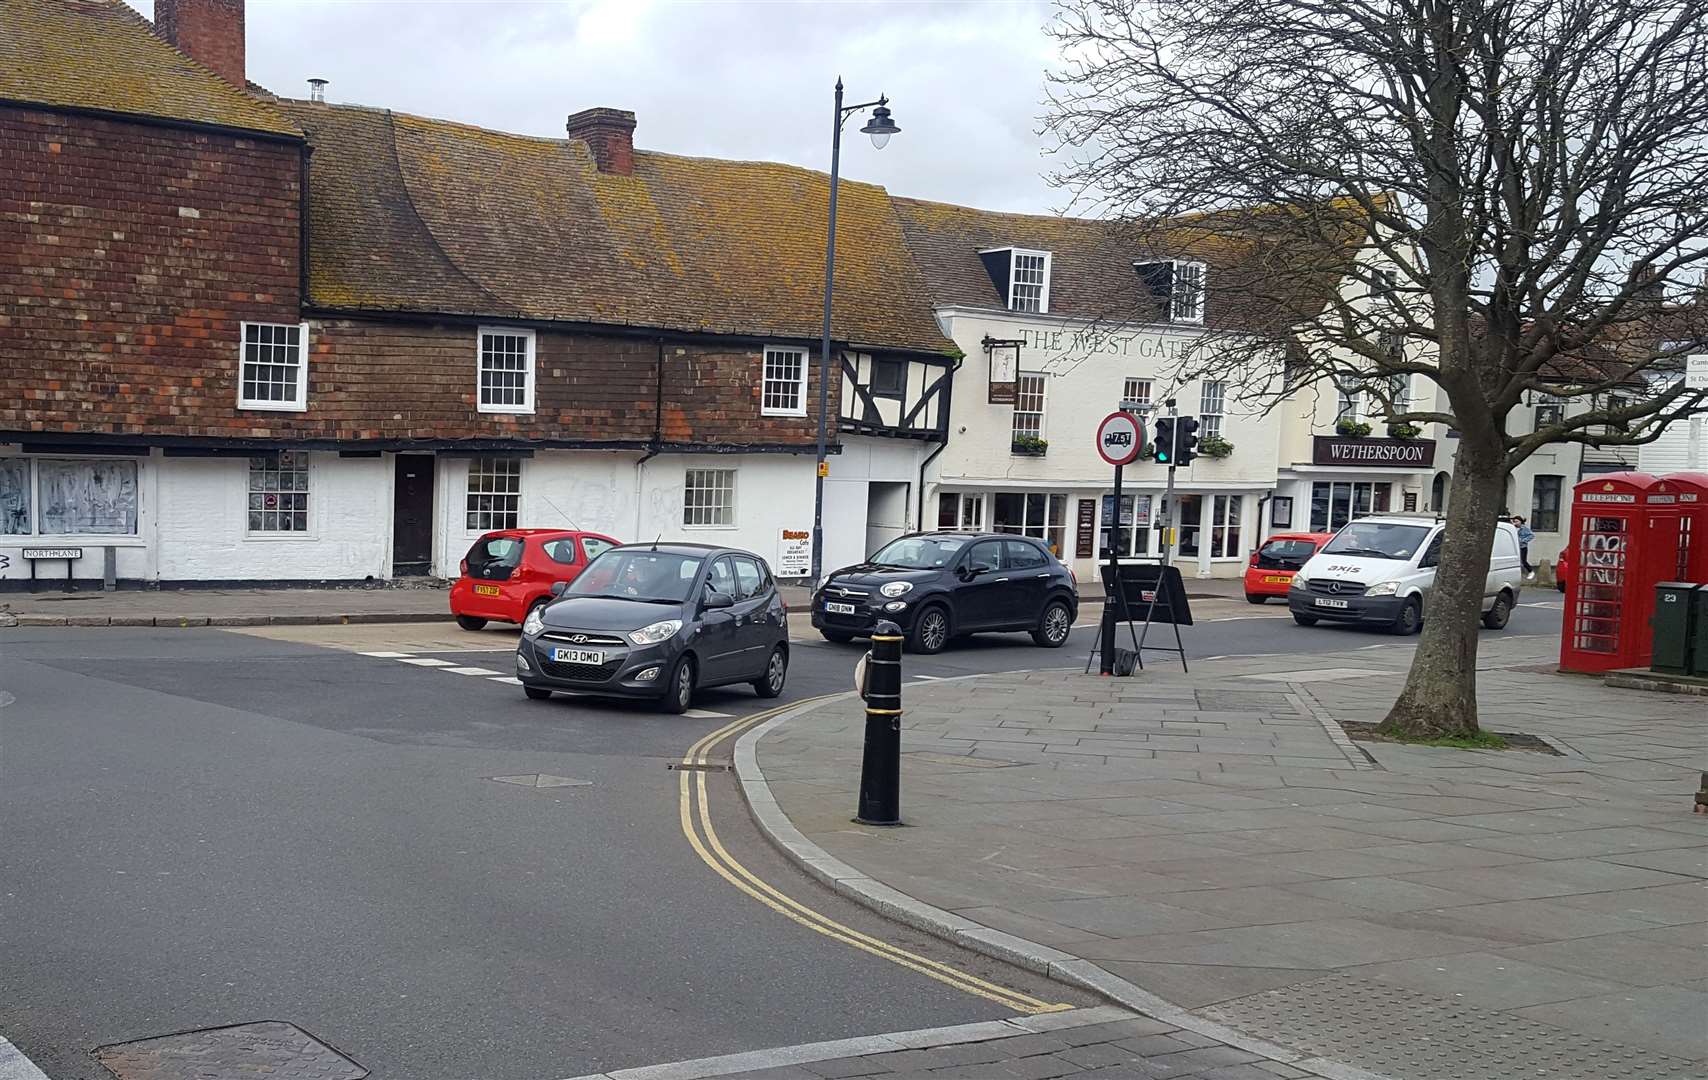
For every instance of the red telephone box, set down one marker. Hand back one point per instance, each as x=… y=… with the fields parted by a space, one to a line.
x=1687 y=493
x=1614 y=567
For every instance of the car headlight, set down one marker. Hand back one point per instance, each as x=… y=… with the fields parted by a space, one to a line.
x=1383 y=588
x=1300 y=580
x=897 y=588
x=535 y=622
x=657 y=632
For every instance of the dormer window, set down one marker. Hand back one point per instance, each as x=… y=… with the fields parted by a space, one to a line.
x=1178 y=285
x=1021 y=276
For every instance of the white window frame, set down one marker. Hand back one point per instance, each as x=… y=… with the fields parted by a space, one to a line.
x=799 y=382
x=299 y=403
x=969 y=511
x=1043 y=405
x=688 y=475
x=307 y=532
x=1014 y=256
x=1130 y=390
x=1194 y=314
x=41 y=534
x=468 y=495
x=480 y=404
x=1212 y=391
x=1227 y=516
x=1348 y=404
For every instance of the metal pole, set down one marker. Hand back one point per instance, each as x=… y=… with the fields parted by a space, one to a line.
x=824 y=345
x=1167 y=532
x=1106 y=624
x=880 y=764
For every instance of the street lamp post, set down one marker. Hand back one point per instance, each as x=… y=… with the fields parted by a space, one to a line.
x=880 y=128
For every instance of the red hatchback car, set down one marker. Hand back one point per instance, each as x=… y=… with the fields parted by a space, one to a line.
x=1274 y=564
x=508 y=572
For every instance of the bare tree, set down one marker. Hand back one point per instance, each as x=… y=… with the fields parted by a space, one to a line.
x=1497 y=196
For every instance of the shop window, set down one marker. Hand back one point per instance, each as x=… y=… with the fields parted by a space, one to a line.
x=1031 y=514
x=68 y=498
x=960 y=512
x=17 y=516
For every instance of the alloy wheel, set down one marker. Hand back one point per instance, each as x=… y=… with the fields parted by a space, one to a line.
x=775 y=671
x=1056 y=624
x=935 y=632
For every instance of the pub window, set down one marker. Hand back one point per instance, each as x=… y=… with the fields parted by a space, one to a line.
x=1136 y=392
x=1347 y=403
x=1031 y=514
x=960 y=512
x=1029 y=407
x=1224 y=526
x=1334 y=504
x=1178 y=285
x=1132 y=531
x=1545 y=503
x=1212 y=401
x=1021 y=277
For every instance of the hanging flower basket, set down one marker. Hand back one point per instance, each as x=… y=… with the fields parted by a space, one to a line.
x=1214 y=446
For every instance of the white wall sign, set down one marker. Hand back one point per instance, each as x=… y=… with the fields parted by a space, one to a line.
x=1696 y=372
x=12 y=564
x=794 y=553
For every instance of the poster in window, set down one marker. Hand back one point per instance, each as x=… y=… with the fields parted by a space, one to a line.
x=1281 y=512
x=87 y=497
x=14 y=496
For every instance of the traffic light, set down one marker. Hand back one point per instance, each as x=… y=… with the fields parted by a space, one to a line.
x=1163 y=440
x=1186 y=440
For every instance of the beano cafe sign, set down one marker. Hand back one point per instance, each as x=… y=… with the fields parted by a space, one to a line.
x=1381 y=453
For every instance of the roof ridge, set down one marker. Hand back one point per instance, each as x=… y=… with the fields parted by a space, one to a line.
x=128 y=12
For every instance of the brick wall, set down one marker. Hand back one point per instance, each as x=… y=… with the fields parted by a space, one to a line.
x=128 y=256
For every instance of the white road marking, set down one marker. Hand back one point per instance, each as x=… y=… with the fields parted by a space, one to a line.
x=469 y=671
x=511 y=679
x=933 y=678
x=423 y=661
x=386 y=655
x=15 y=1066
x=707 y=714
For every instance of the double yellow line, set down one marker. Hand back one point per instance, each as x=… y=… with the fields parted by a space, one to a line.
x=697 y=827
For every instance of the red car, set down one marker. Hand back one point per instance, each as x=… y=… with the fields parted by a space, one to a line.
x=508 y=572
x=1274 y=564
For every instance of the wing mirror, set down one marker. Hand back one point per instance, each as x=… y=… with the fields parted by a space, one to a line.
x=716 y=599
x=558 y=587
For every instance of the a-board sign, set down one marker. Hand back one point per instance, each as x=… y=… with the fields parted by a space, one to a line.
x=1139 y=583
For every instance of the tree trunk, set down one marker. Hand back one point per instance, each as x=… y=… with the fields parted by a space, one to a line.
x=1440 y=695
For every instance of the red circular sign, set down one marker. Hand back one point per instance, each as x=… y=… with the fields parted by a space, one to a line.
x=1120 y=437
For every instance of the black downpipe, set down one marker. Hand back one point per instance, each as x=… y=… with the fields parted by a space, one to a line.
x=948 y=417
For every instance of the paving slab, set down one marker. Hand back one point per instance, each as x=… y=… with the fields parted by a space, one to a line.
x=1258 y=875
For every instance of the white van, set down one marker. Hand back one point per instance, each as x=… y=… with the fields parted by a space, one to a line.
x=1379 y=569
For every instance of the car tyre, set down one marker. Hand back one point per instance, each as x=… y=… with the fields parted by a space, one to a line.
x=1253 y=598
x=469 y=622
x=836 y=637
x=1054 y=625
x=1410 y=619
x=930 y=633
x=536 y=693
x=1304 y=620
x=770 y=684
x=1496 y=617
x=680 y=693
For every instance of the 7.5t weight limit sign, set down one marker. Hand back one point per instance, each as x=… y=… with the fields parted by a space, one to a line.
x=1120 y=437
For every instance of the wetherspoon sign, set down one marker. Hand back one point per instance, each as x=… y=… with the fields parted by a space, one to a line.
x=1380 y=453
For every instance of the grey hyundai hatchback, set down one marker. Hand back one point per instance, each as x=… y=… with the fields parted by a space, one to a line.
x=659 y=621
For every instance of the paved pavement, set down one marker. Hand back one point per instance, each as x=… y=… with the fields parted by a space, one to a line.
x=1215 y=841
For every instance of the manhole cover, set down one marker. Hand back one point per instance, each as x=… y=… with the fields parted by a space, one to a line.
x=541 y=780
x=268 y=1048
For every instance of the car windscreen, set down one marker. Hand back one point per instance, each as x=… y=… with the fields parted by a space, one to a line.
x=920 y=552
x=638 y=574
x=493 y=557
x=1296 y=551
x=1377 y=540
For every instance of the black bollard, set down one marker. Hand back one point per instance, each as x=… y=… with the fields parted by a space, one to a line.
x=1106 y=639
x=880 y=767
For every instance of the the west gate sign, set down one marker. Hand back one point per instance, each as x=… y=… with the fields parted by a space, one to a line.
x=1376 y=453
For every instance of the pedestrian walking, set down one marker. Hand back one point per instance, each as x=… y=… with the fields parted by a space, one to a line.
x=1525 y=535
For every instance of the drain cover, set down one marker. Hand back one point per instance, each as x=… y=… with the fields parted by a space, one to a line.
x=269 y=1048
x=539 y=780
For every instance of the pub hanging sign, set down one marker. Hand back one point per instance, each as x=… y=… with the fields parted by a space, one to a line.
x=1004 y=357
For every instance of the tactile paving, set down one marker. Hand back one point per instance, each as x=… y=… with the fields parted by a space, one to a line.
x=270 y=1048
x=1417 y=1036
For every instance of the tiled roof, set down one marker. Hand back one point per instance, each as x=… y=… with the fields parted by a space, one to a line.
x=416 y=215
x=99 y=54
x=1092 y=261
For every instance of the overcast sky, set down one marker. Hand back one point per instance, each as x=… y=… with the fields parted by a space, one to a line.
x=737 y=80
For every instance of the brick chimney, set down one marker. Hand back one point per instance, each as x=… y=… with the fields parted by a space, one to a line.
x=609 y=135
x=208 y=31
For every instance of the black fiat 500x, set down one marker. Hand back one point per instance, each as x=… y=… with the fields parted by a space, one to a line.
x=942 y=585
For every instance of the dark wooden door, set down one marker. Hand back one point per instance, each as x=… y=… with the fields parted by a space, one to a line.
x=412 y=515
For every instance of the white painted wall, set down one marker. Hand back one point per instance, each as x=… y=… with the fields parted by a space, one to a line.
x=1682 y=447
x=201 y=511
